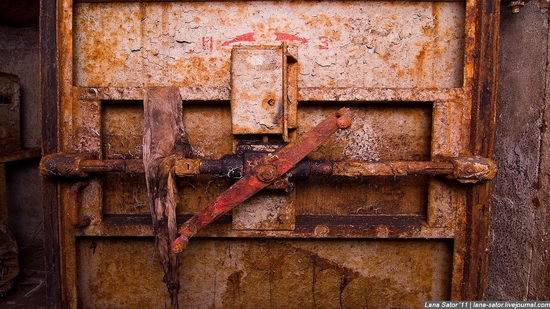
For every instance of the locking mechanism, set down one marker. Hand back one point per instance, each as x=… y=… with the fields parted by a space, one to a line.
x=263 y=103
x=270 y=168
x=264 y=89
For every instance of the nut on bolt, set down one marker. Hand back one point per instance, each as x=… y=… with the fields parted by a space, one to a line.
x=266 y=173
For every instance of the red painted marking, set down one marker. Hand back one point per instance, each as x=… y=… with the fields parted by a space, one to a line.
x=207 y=43
x=324 y=42
x=289 y=37
x=247 y=37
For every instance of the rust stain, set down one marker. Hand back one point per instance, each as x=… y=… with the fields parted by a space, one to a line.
x=282 y=271
x=420 y=59
x=280 y=163
x=266 y=274
x=121 y=127
x=402 y=52
x=348 y=33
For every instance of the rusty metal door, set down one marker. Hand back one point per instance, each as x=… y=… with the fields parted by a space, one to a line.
x=390 y=210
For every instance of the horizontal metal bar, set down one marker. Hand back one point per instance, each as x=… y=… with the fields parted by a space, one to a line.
x=24 y=154
x=379 y=94
x=313 y=94
x=139 y=1
x=106 y=166
x=307 y=226
x=464 y=169
x=186 y=167
x=392 y=168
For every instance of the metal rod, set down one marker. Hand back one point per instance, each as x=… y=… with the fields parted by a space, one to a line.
x=392 y=168
x=187 y=167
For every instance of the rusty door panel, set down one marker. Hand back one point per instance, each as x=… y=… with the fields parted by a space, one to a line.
x=382 y=133
x=389 y=44
x=380 y=221
x=121 y=127
x=268 y=273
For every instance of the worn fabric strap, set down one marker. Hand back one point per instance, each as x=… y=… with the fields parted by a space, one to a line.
x=164 y=140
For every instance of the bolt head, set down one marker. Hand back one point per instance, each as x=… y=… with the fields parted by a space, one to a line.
x=266 y=173
x=343 y=123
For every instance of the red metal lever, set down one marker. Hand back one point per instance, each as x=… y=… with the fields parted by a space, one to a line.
x=268 y=170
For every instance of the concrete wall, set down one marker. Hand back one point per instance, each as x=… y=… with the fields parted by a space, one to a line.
x=19 y=56
x=519 y=267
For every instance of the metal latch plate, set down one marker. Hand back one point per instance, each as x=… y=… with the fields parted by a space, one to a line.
x=261 y=79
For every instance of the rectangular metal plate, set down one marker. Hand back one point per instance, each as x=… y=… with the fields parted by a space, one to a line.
x=257 y=90
x=267 y=274
x=352 y=44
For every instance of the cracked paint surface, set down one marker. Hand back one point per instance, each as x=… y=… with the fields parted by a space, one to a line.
x=388 y=44
x=271 y=274
x=417 y=47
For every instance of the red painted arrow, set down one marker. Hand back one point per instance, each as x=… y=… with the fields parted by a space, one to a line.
x=288 y=37
x=247 y=37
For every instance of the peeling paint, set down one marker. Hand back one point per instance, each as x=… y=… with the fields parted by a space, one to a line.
x=188 y=44
x=408 y=69
x=267 y=274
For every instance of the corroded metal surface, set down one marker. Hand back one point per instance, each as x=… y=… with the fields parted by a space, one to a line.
x=74 y=202
x=388 y=44
x=270 y=273
x=464 y=169
x=257 y=90
x=65 y=165
x=263 y=90
x=268 y=170
x=473 y=169
x=408 y=69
